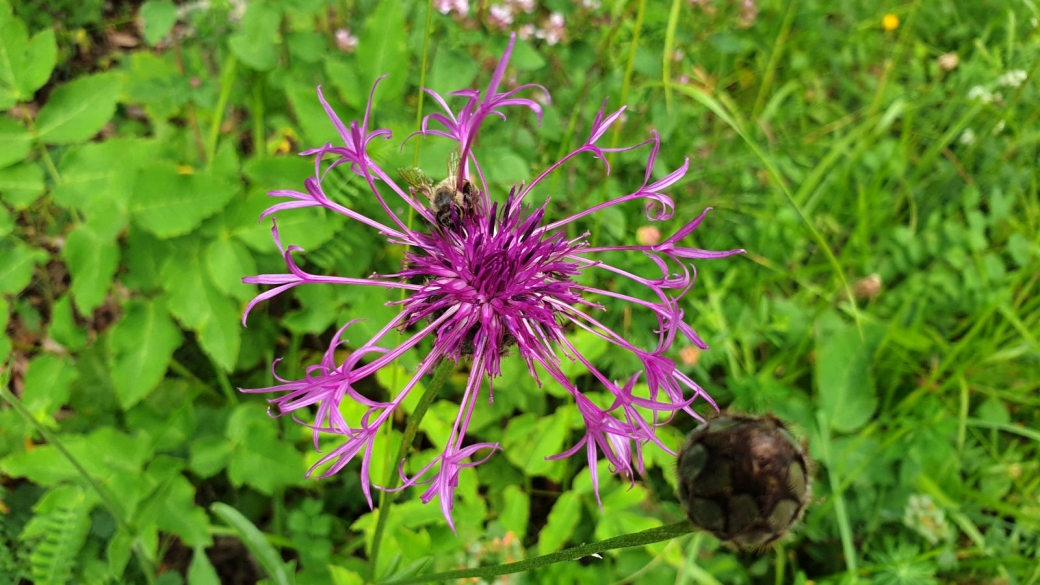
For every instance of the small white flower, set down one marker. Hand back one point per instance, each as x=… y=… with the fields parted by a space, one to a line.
x=500 y=16
x=980 y=93
x=967 y=137
x=346 y=41
x=1013 y=78
x=590 y=4
x=526 y=32
x=554 y=29
x=527 y=6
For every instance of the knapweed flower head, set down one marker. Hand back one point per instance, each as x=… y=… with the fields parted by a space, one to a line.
x=481 y=278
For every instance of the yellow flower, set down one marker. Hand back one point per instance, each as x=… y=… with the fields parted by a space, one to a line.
x=890 y=22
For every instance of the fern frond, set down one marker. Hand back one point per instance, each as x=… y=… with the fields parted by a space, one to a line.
x=53 y=558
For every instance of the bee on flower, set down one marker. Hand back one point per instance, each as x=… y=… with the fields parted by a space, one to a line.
x=481 y=277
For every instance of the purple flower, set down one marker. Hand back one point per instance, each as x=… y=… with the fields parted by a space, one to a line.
x=485 y=277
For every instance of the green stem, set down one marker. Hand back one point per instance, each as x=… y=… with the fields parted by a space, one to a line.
x=774 y=58
x=422 y=83
x=227 y=79
x=643 y=538
x=106 y=498
x=440 y=376
x=844 y=528
x=666 y=61
x=259 y=135
x=625 y=84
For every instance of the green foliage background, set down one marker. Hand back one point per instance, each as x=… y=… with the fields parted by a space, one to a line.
x=137 y=143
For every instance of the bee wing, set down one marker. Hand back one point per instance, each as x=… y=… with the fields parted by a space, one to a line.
x=415 y=177
x=454 y=165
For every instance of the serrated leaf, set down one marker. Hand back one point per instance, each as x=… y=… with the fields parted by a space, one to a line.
x=98 y=178
x=379 y=53
x=92 y=261
x=47 y=384
x=168 y=203
x=199 y=305
x=25 y=65
x=179 y=515
x=78 y=110
x=563 y=518
x=844 y=378
x=159 y=16
x=16 y=265
x=255 y=542
x=142 y=344
x=256 y=42
x=529 y=439
x=15 y=141
x=264 y=462
x=105 y=454
x=228 y=261
x=22 y=184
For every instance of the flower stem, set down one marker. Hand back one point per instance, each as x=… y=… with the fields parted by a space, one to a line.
x=625 y=84
x=147 y=567
x=643 y=538
x=440 y=376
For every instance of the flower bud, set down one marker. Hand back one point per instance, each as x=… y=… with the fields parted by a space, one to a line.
x=744 y=479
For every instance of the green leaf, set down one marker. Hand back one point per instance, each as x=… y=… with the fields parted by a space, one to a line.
x=209 y=456
x=254 y=540
x=256 y=43
x=15 y=141
x=308 y=47
x=105 y=454
x=119 y=550
x=168 y=203
x=201 y=571
x=312 y=117
x=228 y=261
x=843 y=375
x=199 y=305
x=451 y=70
x=25 y=65
x=379 y=53
x=98 y=178
x=179 y=515
x=262 y=460
x=563 y=518
x=159 y=16
x=142 y=344
x=516 y=511
x=92 y=261
x=47 y=384
x=22 y=184
x=78 y=110
x=6 y=222
x=529 y=439
x=63 y=328
x=342 y=576
x=16 y=265
x=618 y=522
x=40 y=58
